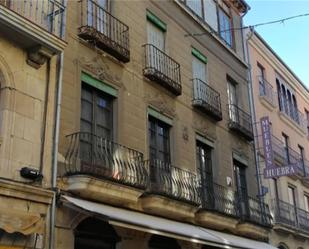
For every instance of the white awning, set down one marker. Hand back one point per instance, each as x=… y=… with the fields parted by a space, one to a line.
x=166 y=227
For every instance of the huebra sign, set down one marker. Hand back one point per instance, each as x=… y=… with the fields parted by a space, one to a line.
x=271 y=170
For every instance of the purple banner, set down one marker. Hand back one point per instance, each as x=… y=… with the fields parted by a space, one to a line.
x=267 y=145
x=271 y=170
x=275 y=172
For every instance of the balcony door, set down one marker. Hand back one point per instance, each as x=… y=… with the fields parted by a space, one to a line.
x=241 y=183
x=156 y=39
x=96 y=125
x=198 y=75
x=204 y=166
x=155 y=36
x=232 y=101
x=292 y=202
x=159 y=154
x=261 y=75
x=97 y=16
x=199 y=69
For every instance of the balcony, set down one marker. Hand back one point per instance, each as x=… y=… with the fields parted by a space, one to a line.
x=240 y=122
x=219 y=207
x=101 y=169
x=36 y=26
x=255 y=211
x=206 y=99
x=287 y=217
x=171 y=191
x=161 y=68
x=290 y=112
x=255 y=218
x=267 y=93
x=104 y=30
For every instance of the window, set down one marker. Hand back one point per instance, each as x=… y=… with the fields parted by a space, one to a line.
x=241 y=183
x=286 y=146
x=287 y=100
x=307 y=120
x=210 y=14
x=196 y=6
x=159 y=140
x=199 y=69
x=204 y=167
x=206 y=10
x=306 y=200
x=291 y=195
x=261 y=76
x=96 y=120
x=232 y=100
x=225 y=27
x=302 y=156
x=96 y=15
x=96 y=112
x=279 y=95
x=155 y=36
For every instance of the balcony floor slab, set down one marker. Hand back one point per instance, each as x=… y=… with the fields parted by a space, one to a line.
x=216 y=221
x=252 y=231
x=100 y=190
x=167 y=207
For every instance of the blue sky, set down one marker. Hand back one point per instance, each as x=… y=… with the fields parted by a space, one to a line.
x=289 y=40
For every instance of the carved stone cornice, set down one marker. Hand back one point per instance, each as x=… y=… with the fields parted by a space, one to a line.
x=100 y=69
x=161 y=104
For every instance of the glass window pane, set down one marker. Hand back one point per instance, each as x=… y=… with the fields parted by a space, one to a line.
x=291 y=196
x=155 y=36
x=225 y=26
x=86 y=111
x=86 y=94
x=196 y=6
x=85 y=126
x=198 y=69
x=210 y=14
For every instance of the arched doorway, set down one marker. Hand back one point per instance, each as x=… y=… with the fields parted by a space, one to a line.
x=92 y=233
x=282 y=246
x=161 y=242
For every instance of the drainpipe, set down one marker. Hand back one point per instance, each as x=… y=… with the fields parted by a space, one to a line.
x=55 y=150
x=43 y=132
x=253 y=115
x=251 y=101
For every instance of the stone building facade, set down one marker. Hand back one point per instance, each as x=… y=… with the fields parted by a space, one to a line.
x=155 y=146
x=29 y=44
x=279 y=94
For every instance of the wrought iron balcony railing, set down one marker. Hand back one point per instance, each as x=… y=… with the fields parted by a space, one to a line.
x=104 y=30
x=161 y=68
x=255 y=211
x=48 y=14
x=207 y=99
x=267 y=91
x=172 y=182
x=92 y=155
x=291 y=216
x=288 y=108
x=240 y=121
x=219 y=199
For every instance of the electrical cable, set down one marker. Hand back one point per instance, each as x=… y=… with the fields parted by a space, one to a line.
x=250 y=26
